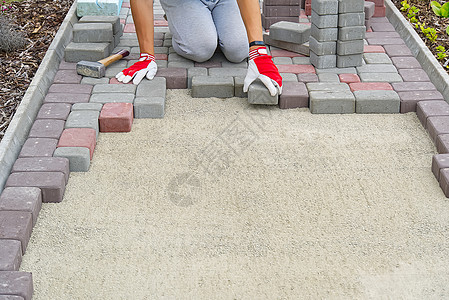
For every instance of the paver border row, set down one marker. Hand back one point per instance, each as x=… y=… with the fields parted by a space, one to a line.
x=429 y=63
x=23 y=119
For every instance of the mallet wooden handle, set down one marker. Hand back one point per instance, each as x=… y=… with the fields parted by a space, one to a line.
x=110 y=59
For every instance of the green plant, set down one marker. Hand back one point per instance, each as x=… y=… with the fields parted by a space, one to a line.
x=440 y=10
x=404 y=5
x=430 y=32
x=441 y=52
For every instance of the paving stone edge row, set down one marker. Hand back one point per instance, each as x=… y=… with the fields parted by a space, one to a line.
x=20 y=125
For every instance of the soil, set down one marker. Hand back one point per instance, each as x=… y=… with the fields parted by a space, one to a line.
x=39 y=20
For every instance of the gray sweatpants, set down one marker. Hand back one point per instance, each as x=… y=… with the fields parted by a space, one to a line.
x=198 y=25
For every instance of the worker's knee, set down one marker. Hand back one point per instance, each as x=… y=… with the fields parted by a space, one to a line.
x=200 y=51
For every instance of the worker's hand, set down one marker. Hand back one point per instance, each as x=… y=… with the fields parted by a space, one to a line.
x=145 y=66
x=261 y=66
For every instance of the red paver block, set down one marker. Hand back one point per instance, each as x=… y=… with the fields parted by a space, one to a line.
x=439 y=161
x=11 y=255
x=67 y=98
x=54 y=111
x=443 y=143
x=116 y=117
x=42 y=164
x=70 y=88
x=176 y=78
x=296 y=69
x=129 y=28
x=413 y=86
x=425 y=109
x=437 y=125
x=52 y=184
x=444 y=181
x=47 y=129
x=307 y=77
x=79 y=137
x=378 y=3
x=38 y=147
x=16 y=225
x=67 y=76
x=406 y=62
x=160 y=23
x=284 y=53
x=27 y=199
x=370 y=86
x=373 y=49
x=410 y=99
x=67 y=66
x=208 y=64
x=413 y=75
x=349 y=78
x=294 y=94
x=382 y=27
x=16 y=283
x=379 y=11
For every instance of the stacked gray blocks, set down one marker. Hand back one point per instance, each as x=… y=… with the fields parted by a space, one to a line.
x=94 y=38
x=324 y=34
x=351 y=32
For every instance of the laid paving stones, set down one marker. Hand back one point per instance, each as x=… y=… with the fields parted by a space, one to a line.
x=38 y=147
x=425 y=109
x=117 y=88
x=397 y=50
x=410 y=99
x=294 y=95
x=69 y=88
x=376 y=58
x=11 y=257
x=212 y=86
x=176 y=78
x=442 y=143
x=16 y=283
x=327 y=87
x=406 y=62
x=444 y=181
x=259 y=94
x=370 y=86
x=349 y=78
x=380 y=77
x=116 y=117
x=331 y=102
x=67 y=98
x=152 y=88
x=226 y=72
x=437 y=125
x=328 y=77
x=79 y=137
x=16 y=225
x=27 y=199
x=87 y=106
x=195 y=71
x=439 y=161
x=413 y=86
x=289 y=77
x=377 y=68
x=42 y=164
x=414 y=75
x=349 y=70
x=79 y=157
x=67 y=76
x=238 y=86
x=112 y=97
x=373 y=101
x=83 y=119
x=47 y=129
x=296 y=69
x=54 y=111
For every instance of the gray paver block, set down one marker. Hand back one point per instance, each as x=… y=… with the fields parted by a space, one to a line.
x=350 y=47
x=114 y=88
x=377 y=102
x=16 y=283
x=75 y=52
x=238 y=87
x=176 y=57
x=93 y=81
x=47 y=129
x=351 y=19
x=328 y=77
x=113 y=20
x=228 y=64
x=149 y=107
x=397 y=50
x=323 y=61
x=349 y=6
x=79 y=157
x=289 y=77
x=324 y=21
x=42 y=164
x=327 y=87
x=301 y=49
x=380 y=77
x=382 y=27
x=351 y=33
x=111 y=72
x=294 y=94
x=290 y=32
x=224 y=72
x=322 y=48
x=34 y=147
x=301 y=60
x=212 y=86
x=16 y=225
x=259 y=94
x=112 y=98
x=413 y=86
x=11 y=257
x=92 y=33
x=282 y=60
x=425 y=109
x=324 y=34
x=307 y=77
x=353 y=60
x=54 y=111
x=325 y=7
x=377 y=58
x=437 y=125
x=195 y=71
x=369 y=9
x=152 y=88
x=67 y=89
x=439 y=161
x=87 y=106
x=180 y=64
x=331 y=102
x=377 y=68
x=84 y=119
x=128 y=43
x=52 y=184
x=349 y=70
x=22 y=199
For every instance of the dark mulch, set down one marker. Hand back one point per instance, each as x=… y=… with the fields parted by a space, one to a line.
x=39 y=20
x=430 y=19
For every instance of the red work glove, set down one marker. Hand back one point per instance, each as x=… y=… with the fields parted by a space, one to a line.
x=261 y=66
x=145 y=66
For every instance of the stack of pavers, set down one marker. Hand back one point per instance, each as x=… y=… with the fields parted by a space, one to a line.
x=94 y=38
x=369 y=13
x=351 y=33
x=274 y=11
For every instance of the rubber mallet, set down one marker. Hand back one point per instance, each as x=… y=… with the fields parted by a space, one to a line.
x=97 y=69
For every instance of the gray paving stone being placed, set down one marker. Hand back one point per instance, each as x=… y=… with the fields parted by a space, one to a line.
x=325 y=7
x=11 y=257
x=34 y=147
x=152 y=88
x=195 y=71
x=87 y=106
x=331 y=102
x=47 y=129
x=238 y=87
x=380 y=77
x=111 y=98
x=259 y=94
x=152 y=107
x=22 y=199
x=54 y=111
x=84 y=119
x=16 y=225
x=114 y=88
x=294 y=95
x=290 y=32
x=212 y=86
x=16 y=284
x=92 y=33
x=425 y=109
x=42 y=164
x=380 y=102
x=79 y=157
x=75 y=52
x=297 y=48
